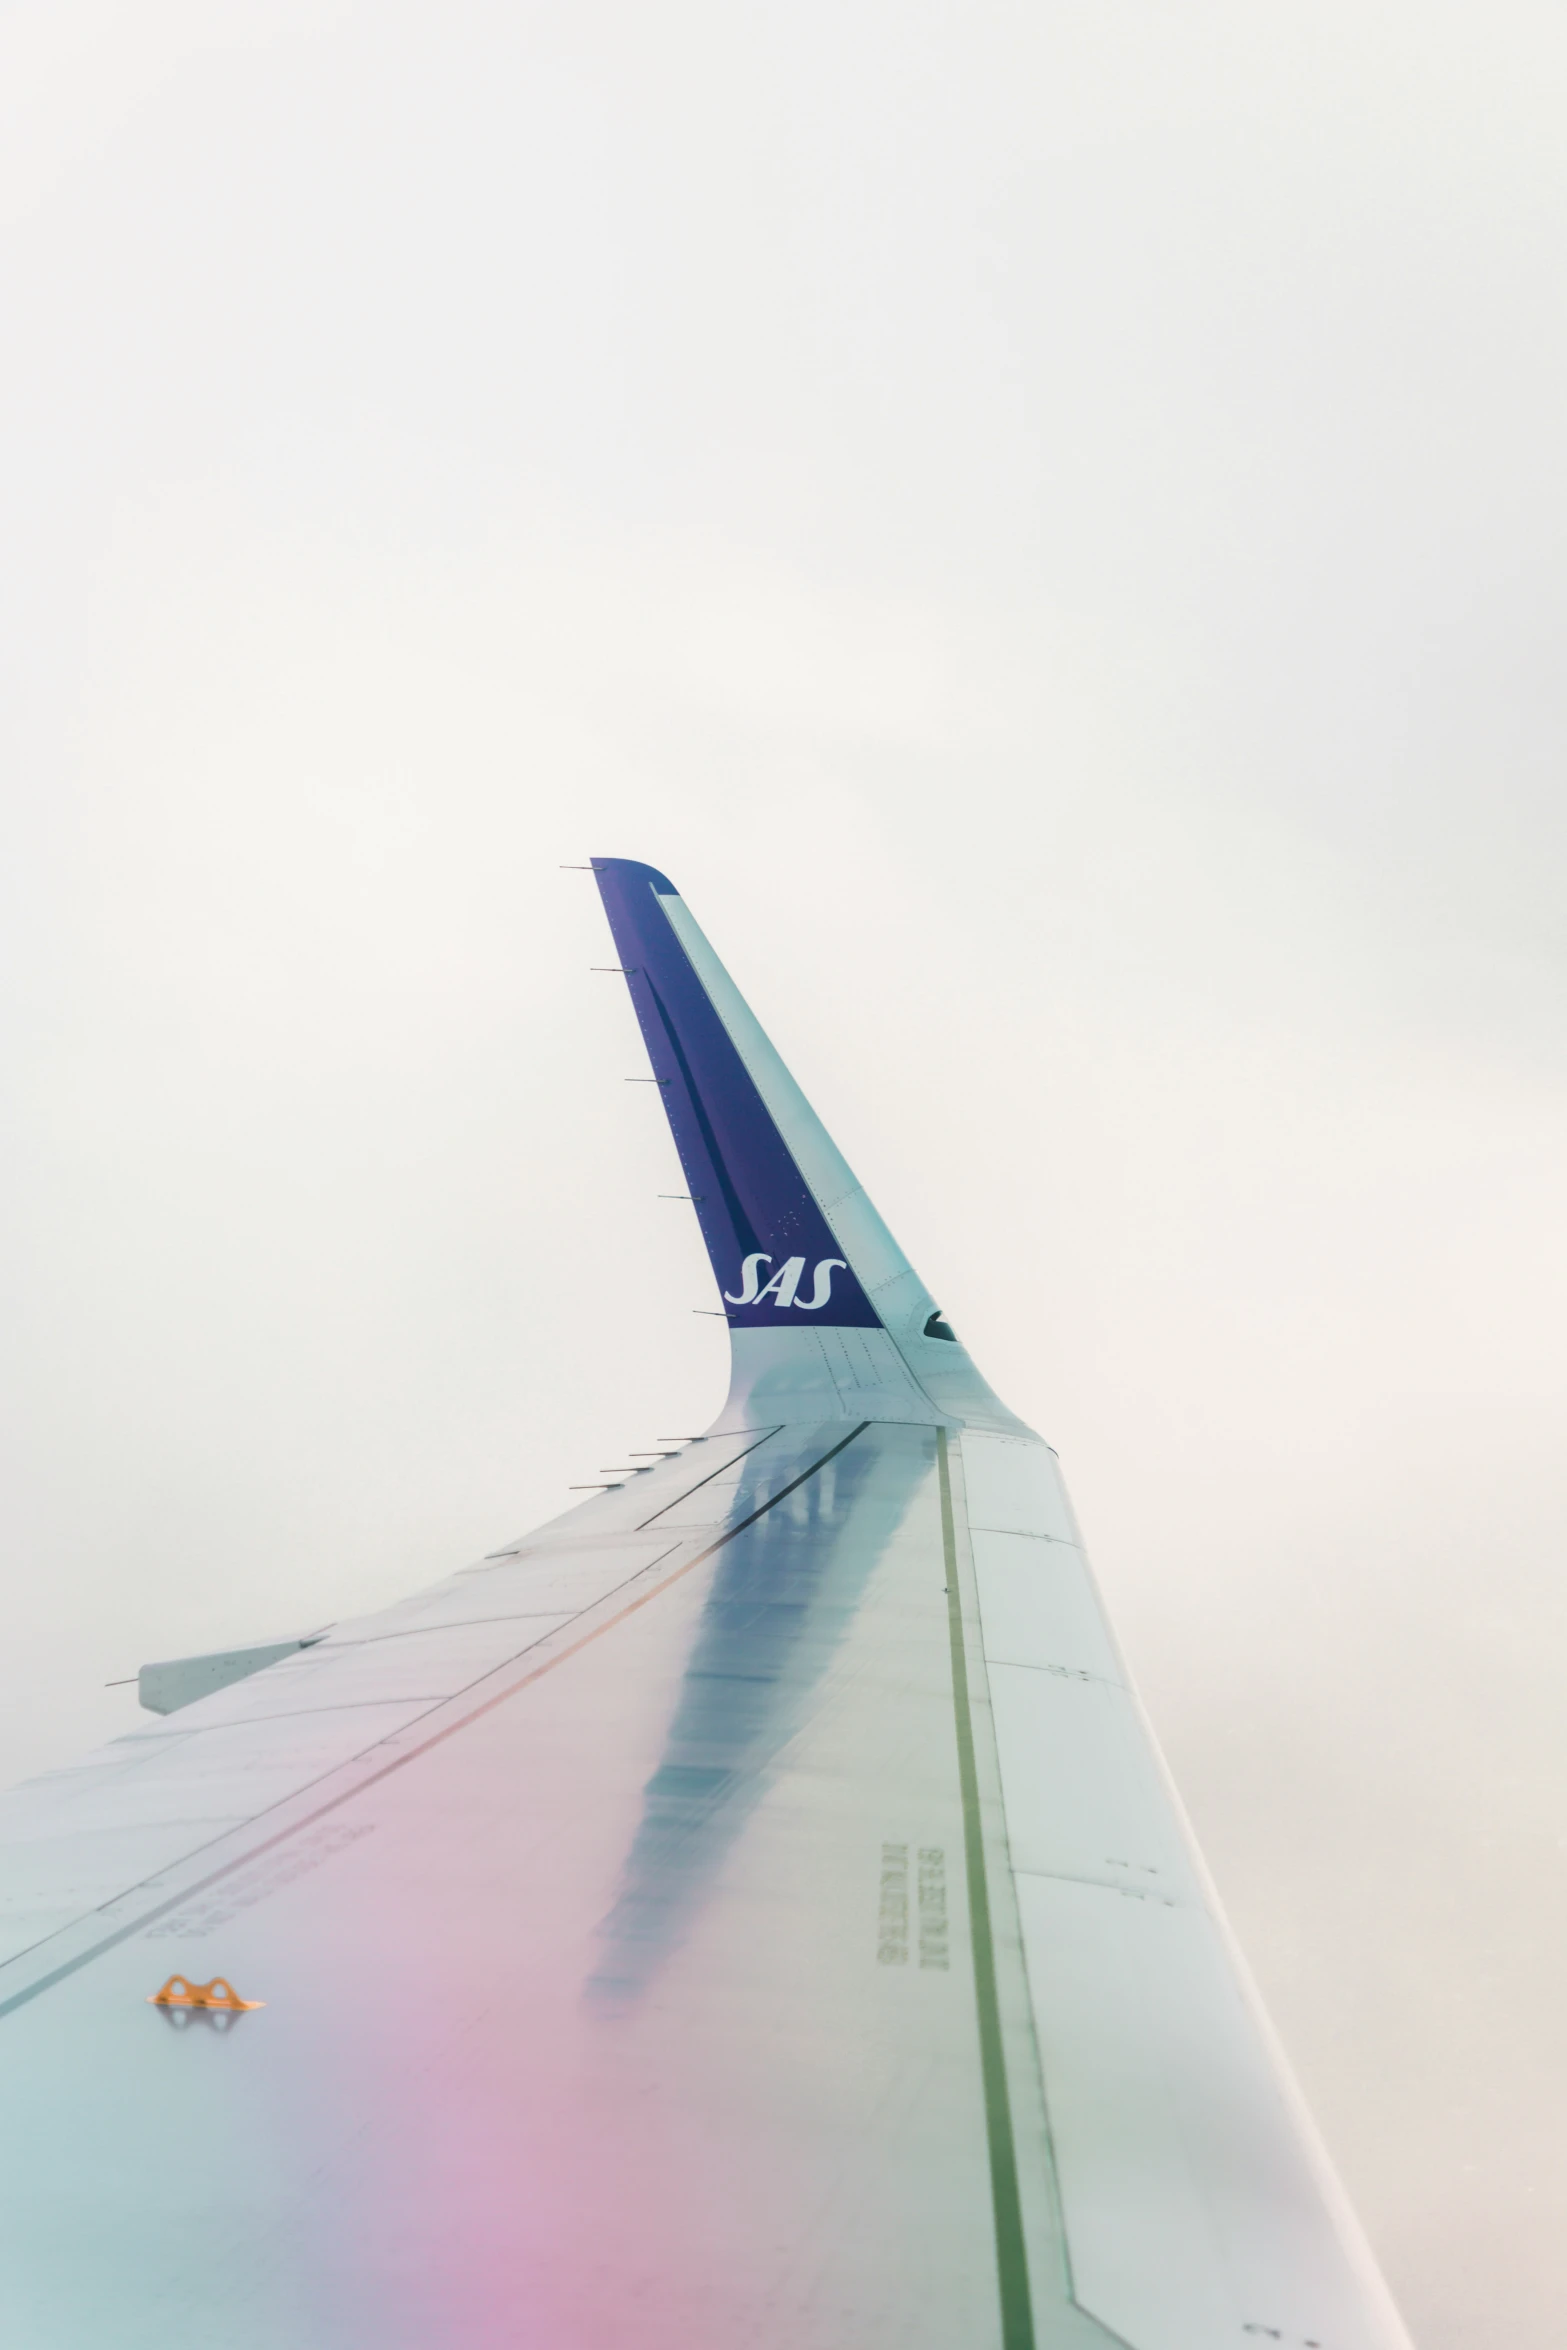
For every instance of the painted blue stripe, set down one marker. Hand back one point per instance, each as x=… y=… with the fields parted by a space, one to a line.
x=772 y=1250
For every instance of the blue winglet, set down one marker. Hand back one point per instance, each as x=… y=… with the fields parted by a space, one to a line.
x=776 y=1260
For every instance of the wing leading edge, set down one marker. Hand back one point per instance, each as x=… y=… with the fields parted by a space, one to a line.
x=750 y=1908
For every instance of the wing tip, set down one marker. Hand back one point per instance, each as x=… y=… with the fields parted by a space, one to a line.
x=628 y=869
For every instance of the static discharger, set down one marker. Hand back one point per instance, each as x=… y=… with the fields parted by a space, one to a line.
x=219 y=1993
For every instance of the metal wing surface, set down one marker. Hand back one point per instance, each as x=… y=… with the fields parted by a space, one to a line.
x=749 y=1913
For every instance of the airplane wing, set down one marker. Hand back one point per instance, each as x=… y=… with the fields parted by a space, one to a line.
x=749 y=1913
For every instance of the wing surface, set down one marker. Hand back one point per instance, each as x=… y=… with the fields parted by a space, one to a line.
x=750 y=1910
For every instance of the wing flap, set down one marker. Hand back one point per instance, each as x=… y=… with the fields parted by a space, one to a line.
x=1195 y=2204
x=1039 y=1607
x=1194 y=2212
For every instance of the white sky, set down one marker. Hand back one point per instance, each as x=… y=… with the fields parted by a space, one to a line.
x=1049 y=522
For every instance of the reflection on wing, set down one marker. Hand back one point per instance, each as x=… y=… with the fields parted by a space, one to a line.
x=784 y=1595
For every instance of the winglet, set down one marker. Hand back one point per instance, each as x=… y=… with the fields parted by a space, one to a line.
x=825 y=1311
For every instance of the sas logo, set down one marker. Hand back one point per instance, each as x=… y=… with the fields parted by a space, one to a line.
x=784 y=1285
